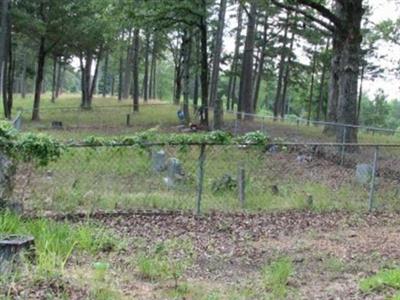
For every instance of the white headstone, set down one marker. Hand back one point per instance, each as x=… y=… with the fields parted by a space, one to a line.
x=364 y=173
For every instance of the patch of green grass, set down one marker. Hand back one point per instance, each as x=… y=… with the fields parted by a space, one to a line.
x=383 y=281
x=55 y=242
x=276 y=277
x=168 y=260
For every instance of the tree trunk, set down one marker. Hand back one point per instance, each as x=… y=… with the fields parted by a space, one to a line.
x=136 y=47
x=105 y=76
x=3 y=53
x=86 y=68
x=235 y=63
x=120 y=78
x=10 y=74
x=246 y=80
x=187 y=45
x=96 y=74
x=146 y=69
x=178 y=76
x=128 y=68
x=278 y=98
x=350 y=40
x=261 y=63
x=360 y=93
x=59 y=77
x=23 y=78
x=310 y=100
x=39 y=80
x=54 y=80
x=204 y=65
x=284 y=103
x=214 y=99
x=322 y=85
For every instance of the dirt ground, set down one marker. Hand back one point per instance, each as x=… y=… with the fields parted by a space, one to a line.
x=330 y=254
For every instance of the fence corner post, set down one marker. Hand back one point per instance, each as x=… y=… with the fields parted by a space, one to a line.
x=200 y=178
x=373 y=175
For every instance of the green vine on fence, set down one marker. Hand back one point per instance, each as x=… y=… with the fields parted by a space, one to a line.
x=150 y=137
x=37 y=148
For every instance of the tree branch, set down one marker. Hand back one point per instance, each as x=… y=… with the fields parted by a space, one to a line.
x=326 y=13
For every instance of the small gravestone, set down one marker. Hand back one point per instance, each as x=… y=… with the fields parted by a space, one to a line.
x=224 y=183
x=175 y=172
x=158 y=160
x=363 y=173
x=17 y=124
x=57 y=125
x=11 y=247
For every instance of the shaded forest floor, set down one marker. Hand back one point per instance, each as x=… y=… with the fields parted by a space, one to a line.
x=231 y=256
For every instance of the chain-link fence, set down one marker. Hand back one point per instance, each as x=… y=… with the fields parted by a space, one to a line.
x=298 y=129
x=216 y=177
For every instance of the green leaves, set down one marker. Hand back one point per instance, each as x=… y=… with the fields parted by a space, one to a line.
x=150 y=137
x=37 y=148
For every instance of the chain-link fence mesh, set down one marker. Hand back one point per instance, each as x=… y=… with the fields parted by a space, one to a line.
x=223 y=177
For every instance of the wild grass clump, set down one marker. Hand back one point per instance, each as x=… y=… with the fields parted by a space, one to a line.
x=385 y=281
x=276 y=277
x=55 y=242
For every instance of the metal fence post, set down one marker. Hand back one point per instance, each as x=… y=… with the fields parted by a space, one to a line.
x=344 y=132
x=200 y=178
x=372 y=187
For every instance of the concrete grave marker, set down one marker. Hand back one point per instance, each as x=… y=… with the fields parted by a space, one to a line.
x=363 y=173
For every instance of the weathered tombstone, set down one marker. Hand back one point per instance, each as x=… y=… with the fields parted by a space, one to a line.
x=57 y=125
x=158 y=160
x=7 y=176
x=363 y=173
x=11 y=246
x=175 y=172
x=17 y=124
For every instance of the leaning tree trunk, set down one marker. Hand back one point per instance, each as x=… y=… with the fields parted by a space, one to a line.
x=39 y=79
x=105 y=76
x=3 y=49
x=311 y=98
x=246 y=79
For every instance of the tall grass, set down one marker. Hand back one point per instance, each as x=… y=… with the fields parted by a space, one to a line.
x=55 y=242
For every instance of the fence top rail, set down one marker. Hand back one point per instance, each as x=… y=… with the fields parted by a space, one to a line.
x=280 y=144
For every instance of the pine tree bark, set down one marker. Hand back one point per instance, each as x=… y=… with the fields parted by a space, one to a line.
x=278 y=98
x=231 y=98
x=146 y=69
x=136 y=48
x=187 y=46
x=39 y=79
x=322 y=85
x=105 y=76
x=261 y=63
x=59 y=77
x=3 y=54
x=54 y=80
x=214 y=100
x=311 y=98
x=286 y=78
x=204 y=64
x=246 y=79
x=128 y=68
